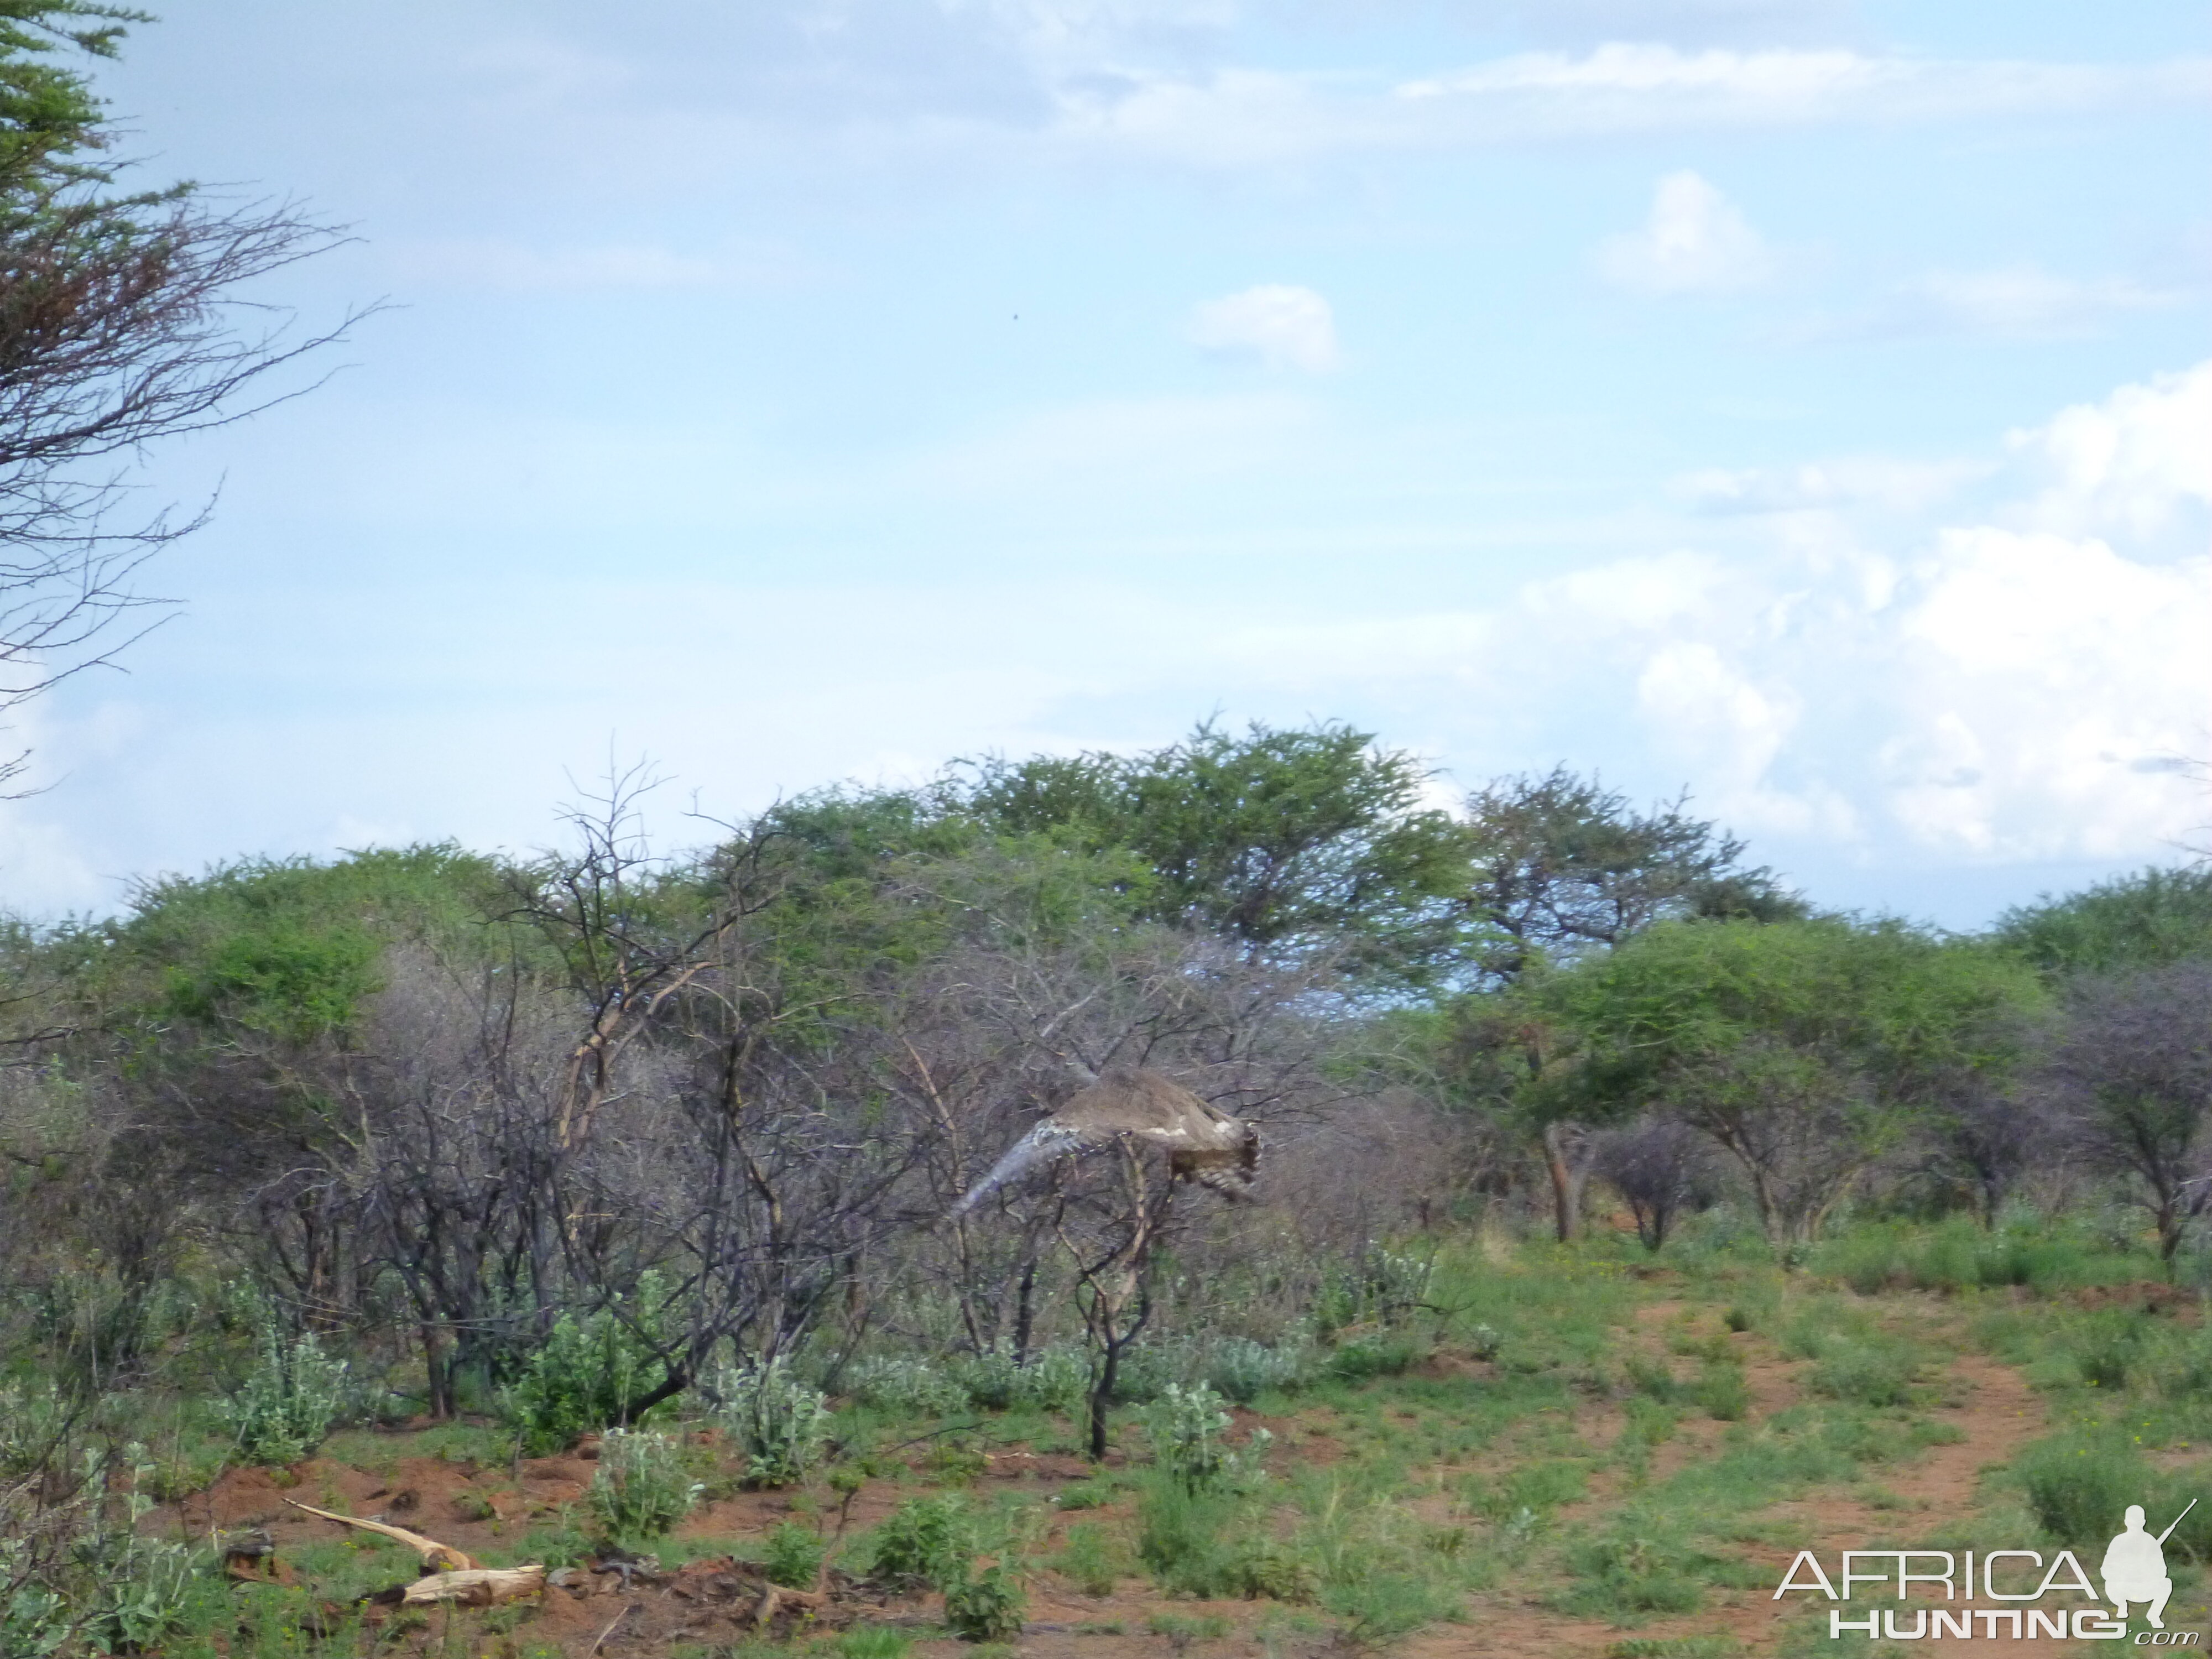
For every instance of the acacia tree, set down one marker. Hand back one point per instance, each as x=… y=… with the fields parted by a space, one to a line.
x=1293 y=844
x=1559 y=866
x=1558 y=869
x=124 y=321
x=1807 y=1050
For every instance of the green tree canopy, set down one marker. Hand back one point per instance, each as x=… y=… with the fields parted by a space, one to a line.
x=290 y=946
x=1284 y=842
x=1806 y=1048
x=50 y=119
x=2141 y=920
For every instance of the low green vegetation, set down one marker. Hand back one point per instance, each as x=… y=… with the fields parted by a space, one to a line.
x=1610 y=1462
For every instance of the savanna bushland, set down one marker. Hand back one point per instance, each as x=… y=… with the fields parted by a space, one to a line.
x=1625 y=1223
x=426 y=1252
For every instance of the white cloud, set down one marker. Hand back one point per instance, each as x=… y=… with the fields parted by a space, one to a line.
x=1693 y=242
x=1177 y=83
x=1283 y=325
x=2020 y=301
x=1706 y=712
x=2129 y=464
x=2031 y=673
x=1624 y=85
x=1246 y=115
x=1984 y=692
x=1877 y=481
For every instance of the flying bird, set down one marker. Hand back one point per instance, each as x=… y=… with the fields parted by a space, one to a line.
x=1203 y=1143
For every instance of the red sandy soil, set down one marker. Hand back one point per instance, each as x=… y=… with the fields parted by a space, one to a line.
x=488 y=1508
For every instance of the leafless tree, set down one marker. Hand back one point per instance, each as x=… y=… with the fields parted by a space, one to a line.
x=1985 y=1137
x=2133 y=1067
x=1245 y=1037
x=1661 y=1167
x=122 y=324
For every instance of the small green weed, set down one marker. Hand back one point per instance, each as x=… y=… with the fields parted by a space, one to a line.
x=1539 y=1488
x=779 y=1424
x=791 y=1555
x=289 y=1397
x=873 y=1642
x=1674 y=1647
x=1386 y=1606
x=987 y=1606
x=586 y=1373
x=1090 y=1559
x=2076 y=1489
x=1722 y=1392
x=641 y=1489
x=1187 y=1426
x=1636 y=1566
x=561 y=1543
x=1651 y=1378
x=926 y=1541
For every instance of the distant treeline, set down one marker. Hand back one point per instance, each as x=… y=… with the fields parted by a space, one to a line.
x=427 y=1101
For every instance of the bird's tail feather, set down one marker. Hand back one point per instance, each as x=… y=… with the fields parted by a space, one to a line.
x=1047 y=1140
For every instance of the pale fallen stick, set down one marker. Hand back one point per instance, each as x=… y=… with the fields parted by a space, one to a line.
x=434 y=1553
x=627 y=1609
x=476 y=1587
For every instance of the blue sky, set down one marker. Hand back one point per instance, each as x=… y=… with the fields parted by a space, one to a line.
x=1805 y=403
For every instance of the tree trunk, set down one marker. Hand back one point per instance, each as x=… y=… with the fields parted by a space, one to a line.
x=1568 y=1173
x=1102 y=1396
x=437 y=1373
x=1025 y=1312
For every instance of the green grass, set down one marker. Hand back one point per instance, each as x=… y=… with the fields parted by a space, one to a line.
x=1092 y=1558
x=1674 y=1647
x=1539 y=1488
x=2046 y=1255
x=1178 y=1629
x=1470 y=1477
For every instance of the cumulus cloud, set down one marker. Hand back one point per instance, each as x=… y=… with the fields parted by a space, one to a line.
x=1694 y=241
x=2009 y=688
x=1283 y=325
x=2034 y=674
x=2133 y=464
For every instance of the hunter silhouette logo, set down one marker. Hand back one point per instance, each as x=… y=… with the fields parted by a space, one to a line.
x=2133 y=1571
x=2134 y=1567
